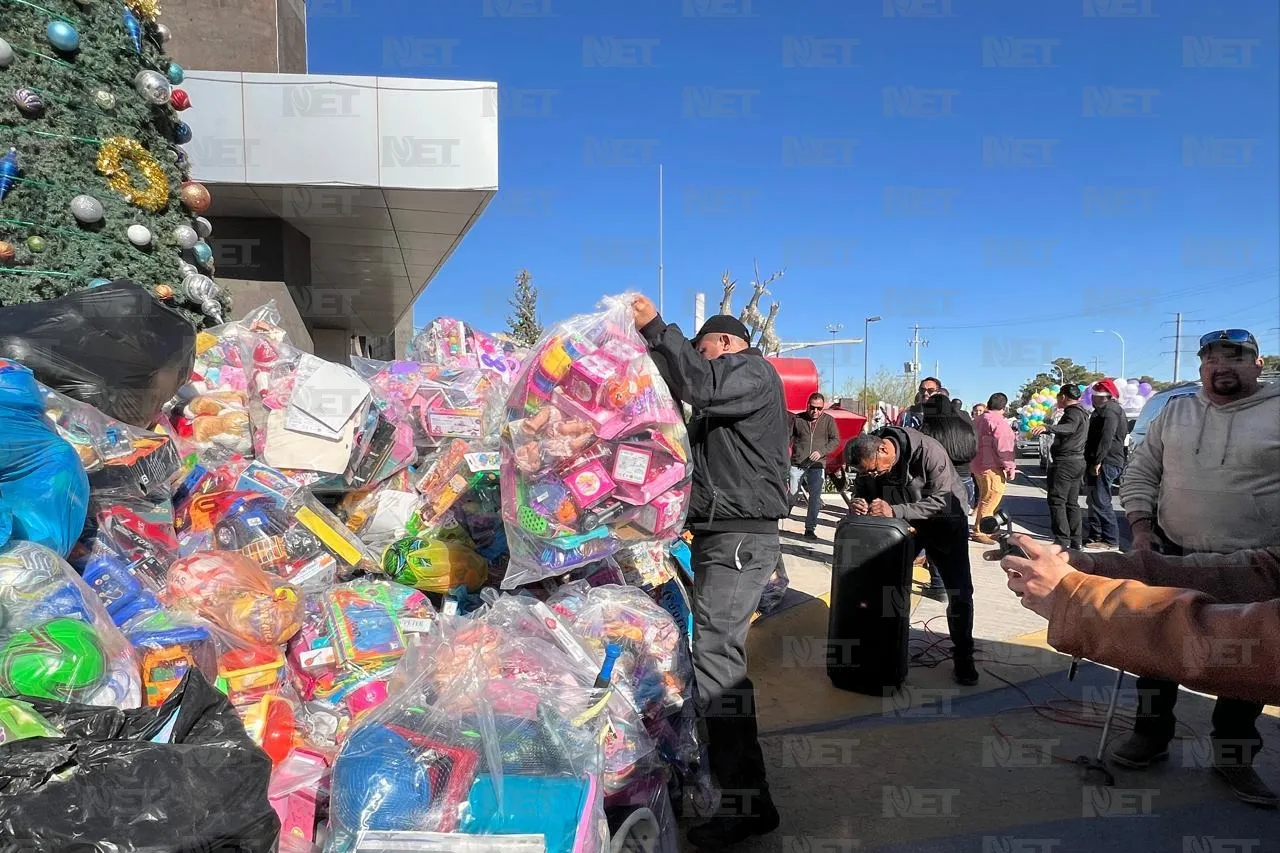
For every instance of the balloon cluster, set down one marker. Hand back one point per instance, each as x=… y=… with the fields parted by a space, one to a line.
x=1133 y=395
x=1037 y=409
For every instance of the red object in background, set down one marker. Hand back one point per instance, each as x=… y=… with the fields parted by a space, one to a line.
x=799 y=380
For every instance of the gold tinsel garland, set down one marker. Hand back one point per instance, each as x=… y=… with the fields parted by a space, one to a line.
x=112 y=155
x=148 y=9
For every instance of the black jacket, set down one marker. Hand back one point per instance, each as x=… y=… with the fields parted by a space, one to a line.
x=922 y=485
x=738 y=433
x=820 y=436
x=1108 y=427
x=1069 y=434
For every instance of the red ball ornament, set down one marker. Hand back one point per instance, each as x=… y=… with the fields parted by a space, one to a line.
x=195 y=196
x=179 y=100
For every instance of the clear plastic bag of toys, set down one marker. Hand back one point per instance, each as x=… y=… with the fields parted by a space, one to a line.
x=594 y=449
x=456 y=469
x=352 y=637
x=136 y=530
x=382 y=514
x=453 y=343
x=418 y=770
x=234 y=593
x=44 y=492
x=56 y=640
x=655 y=664
x=259 y=512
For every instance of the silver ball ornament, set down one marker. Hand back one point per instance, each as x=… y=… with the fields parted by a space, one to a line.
x=152 y=86
x=104 y=99
x=6 y=54
x=86 y=209
x=185 y=269
x=185 y=236
x=203 y=227
x=165 y=33
x=139 y=235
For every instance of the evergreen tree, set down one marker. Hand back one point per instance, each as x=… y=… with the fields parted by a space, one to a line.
x=524 y=325
x=1072 y=373
x=96 y=186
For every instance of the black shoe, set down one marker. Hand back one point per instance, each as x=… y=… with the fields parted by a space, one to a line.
x=966 y=673
x=810 y=536
x=1247 y=786
x=1140 y=751
x=721 y=832
x=937 y=593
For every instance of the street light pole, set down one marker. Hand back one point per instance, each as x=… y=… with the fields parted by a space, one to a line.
x=866 y=358
x=1062 y=377
x=834 y=329
x=1121 y=337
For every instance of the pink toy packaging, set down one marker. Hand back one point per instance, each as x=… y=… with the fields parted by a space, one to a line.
x=592 y=445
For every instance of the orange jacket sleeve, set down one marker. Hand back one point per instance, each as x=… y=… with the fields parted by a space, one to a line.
x=1180 y=635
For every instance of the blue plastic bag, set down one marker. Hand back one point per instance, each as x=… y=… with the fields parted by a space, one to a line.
x=44 y=491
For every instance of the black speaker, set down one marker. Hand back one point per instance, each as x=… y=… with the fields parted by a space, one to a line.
x=870 y=605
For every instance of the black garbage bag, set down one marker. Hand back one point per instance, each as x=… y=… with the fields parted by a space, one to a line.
x=106 y=787
x=115 y=347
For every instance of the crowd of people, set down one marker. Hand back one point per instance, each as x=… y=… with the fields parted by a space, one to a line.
x=1204 y=484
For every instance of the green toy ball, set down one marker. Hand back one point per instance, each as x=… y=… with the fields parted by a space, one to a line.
x=52 y=660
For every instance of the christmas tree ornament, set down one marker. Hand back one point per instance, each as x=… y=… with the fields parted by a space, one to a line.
x=152 y=86
x=8 y=172
x=164 y=32
x=114 y=152
x=179 y=100
x=104 y=100
x=98 y=282
x=62 y=36
x=36 y=243
x=182 y=133
x=203 y=253
x=203 y=227
x=139 y=235
x=29 y=102
x=185 y=269
x=185 y=236
x=164 y=291
x=195 y=196
x=175 y=73
x=147 y=10
x=202 y=289
x=6 y=54
x=86 y=209
x=7 y=252
x=134 y=29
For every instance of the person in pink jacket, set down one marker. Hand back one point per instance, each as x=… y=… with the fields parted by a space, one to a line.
x=995 y=465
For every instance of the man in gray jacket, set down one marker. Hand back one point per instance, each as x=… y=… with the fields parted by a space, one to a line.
x=1207 y=479
x=905 y=474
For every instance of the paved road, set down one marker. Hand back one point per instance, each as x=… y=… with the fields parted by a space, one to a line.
x=1025 y=502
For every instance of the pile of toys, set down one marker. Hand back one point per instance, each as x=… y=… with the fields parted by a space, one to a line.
x=443 y=593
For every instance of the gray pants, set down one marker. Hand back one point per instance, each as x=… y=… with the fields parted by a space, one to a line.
x=730 y=571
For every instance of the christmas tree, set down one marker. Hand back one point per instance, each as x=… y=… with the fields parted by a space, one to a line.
x=94 y=184
x=524 y=326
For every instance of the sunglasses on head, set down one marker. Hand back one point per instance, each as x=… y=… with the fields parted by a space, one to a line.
x=1230 y=336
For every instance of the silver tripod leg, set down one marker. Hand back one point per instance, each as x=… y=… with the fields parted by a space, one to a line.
x=1111 y=711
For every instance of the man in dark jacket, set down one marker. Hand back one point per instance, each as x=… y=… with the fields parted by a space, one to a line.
x=814 y=437
x=738 y=436
x=905 y=474
x=1104 y=462
x=1066 y=470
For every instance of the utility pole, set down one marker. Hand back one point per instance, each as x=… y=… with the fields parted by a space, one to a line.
x=915 y=343
x=662 y=302
x=1177 y=345
x=1096 y=360
x=937 y=369
x=834 y=329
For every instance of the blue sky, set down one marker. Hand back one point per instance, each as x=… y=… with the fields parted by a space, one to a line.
x=1010 y=176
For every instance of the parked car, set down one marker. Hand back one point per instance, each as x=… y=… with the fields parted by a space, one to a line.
x=1153 y=407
